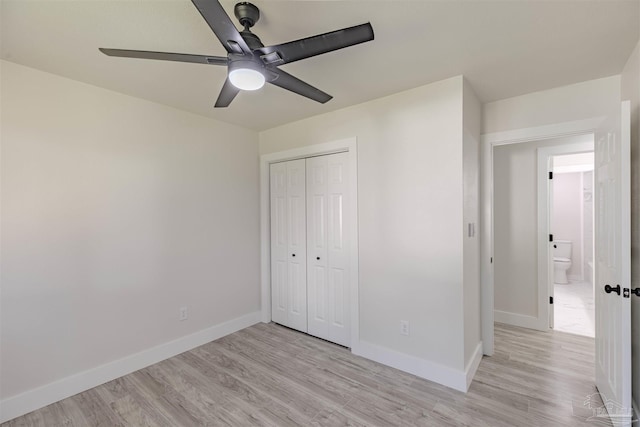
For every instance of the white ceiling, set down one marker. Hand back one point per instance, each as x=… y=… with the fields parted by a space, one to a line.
x=504 y=48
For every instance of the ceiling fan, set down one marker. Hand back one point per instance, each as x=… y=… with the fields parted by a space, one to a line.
x=250 y=64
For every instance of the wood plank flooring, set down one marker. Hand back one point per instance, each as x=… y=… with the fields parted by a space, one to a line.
x=268 y=375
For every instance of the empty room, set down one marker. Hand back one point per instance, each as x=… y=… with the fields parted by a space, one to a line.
x=319 y=213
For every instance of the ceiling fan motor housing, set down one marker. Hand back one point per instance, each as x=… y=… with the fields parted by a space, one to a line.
x=247 y=13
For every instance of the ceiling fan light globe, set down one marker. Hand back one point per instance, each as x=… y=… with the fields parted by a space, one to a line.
x=246 y=78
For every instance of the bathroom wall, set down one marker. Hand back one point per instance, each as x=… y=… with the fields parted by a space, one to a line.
x=573 y=218
x=566 y=219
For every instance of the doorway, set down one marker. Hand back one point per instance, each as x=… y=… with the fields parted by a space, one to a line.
x=613 y=317
x=523 y=247
x=489 y=142
x=571 y=222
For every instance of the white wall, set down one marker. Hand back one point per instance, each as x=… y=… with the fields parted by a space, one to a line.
x=410 y=206
x=630 y=89
x=515 y=231
x=116 y=212
x=573 y=162
x=587 y=226
x=567 y=218
x=472 y=121
x=579 y=101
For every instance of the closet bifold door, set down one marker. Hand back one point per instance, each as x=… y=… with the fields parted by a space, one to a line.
x=288 y=244
x=327 y=248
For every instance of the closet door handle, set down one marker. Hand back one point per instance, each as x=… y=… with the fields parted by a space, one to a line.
x=608 y=289
x=318 y=258
x=293 y=254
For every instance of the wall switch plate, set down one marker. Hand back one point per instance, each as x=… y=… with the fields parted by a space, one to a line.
x=472 y=229
x=184 y=313
x=404 y=327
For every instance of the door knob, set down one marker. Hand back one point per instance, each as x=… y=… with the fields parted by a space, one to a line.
x=318 y=258
x=293 y=254
x=608 y=289
x=636 y=292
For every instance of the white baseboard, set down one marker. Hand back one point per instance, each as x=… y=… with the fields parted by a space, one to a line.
x=422 y=368
x=31 y=400
x=521 y=320
x=472 y=366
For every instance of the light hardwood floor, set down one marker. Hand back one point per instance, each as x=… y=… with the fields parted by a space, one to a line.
x=271 y=375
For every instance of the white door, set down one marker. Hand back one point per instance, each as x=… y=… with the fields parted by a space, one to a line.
x=288 y=244
x=613 y=269
x=327 y=248
x=552 y=245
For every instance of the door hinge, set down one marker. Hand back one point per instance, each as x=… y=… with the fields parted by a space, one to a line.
x=625 y=292
x=550 y=300
x=550 y=175
x=551 y=237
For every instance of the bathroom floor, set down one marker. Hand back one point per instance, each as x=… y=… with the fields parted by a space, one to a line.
x=574 y=308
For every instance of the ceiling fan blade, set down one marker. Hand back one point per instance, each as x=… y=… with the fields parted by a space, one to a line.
x=316 y=45
x=294 y=84
x=223 y=28
x=166 y=56
x=227 y=94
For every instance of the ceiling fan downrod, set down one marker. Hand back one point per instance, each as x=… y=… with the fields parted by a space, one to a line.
x=247 y=13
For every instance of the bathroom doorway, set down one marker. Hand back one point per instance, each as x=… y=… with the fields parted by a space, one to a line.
x=571 y=222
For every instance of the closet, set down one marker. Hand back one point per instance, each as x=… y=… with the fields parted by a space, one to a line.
x=309 y=246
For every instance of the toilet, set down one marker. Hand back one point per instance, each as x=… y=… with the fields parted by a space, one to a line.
x=561 y=260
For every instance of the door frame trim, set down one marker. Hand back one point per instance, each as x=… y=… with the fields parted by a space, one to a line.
x=488 y=142
x=349 y=145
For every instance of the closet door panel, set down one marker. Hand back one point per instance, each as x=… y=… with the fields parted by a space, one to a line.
x=338 y=249
x=297 y=245
x=279 y=245
x=327 y=254
x=317 y=280
x=288 y=244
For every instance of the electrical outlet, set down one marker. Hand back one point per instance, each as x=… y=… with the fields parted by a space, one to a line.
x=404 y=327
x=184 y=313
